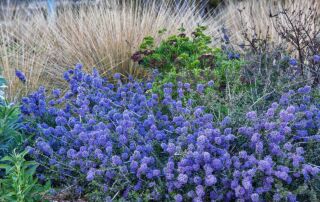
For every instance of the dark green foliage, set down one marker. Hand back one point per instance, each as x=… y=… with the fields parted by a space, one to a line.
x=177 y=51
x=188 y=59
x=19 y=183
x=214 y=3
x=178 y=58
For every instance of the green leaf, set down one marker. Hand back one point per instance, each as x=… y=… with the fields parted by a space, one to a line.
x=31 y=170
x=5 y=166
x=19 y=183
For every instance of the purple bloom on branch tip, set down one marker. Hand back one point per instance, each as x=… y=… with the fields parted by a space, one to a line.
x=171 y=148
x=117 y=76
x=21 y=76
x=200 y=88
x=255 y=197
x=210 y=180
x=226 y=38
x=251 y=115
x=178 y=198
x=78 y=66
x=210 y=83
x=187 y=86
x=200 y=191
x=183 y=178
x=293 y=62
x=56 y=93
x=316 y=58
x=116 y=160
x=276 y=197
x=291 y=197
x=45 y=148
x=304 y=90
x=90 y=175
x=237 y=56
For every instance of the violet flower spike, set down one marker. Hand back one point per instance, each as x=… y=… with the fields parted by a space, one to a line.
x=21 y=76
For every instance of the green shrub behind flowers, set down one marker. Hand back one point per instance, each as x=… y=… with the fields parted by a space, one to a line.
x=186 y=58
x=192 y=60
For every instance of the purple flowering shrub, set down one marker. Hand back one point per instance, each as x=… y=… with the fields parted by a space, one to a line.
x=272 y=156
x=103 y=132
x=266 y=160
x=124 y=141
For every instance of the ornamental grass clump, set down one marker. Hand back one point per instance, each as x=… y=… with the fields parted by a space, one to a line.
x=102 y=34
x=120 y=140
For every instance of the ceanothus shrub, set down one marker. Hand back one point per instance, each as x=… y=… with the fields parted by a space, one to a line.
x=122 y=139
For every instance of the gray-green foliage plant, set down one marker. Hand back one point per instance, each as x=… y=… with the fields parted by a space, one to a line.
x=2 y=88
x=10 y=137
x=19 y=183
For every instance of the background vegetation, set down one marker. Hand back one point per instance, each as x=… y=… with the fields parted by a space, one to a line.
x=106 y=35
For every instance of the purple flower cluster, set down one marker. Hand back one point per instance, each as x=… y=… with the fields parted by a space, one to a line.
x=121 y=137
